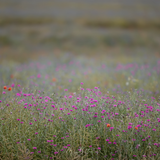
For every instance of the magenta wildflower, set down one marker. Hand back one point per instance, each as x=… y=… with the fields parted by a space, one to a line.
x=18 y=119
x=34 y=147
x=55 y=152
x=111 y=128
x=36 y=133
x=39 y=151
x=90 y=146
x=129 y=127
x=99 y=148
x=29 y=139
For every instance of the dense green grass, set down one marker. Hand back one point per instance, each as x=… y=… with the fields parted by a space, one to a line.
x=51 y=114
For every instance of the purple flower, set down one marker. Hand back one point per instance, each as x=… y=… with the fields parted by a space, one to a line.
x=34 y=147
x=99 y=148
x=18 y=119
x=111 y=128
x=36 y=133
x=129 y=127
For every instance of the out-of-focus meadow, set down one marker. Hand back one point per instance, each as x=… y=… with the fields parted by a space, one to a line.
x=101 y=31
x=83 y=74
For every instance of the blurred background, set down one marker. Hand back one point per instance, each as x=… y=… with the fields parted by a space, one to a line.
x=93 y=28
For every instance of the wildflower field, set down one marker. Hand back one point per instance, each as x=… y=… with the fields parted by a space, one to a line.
x=80 y=108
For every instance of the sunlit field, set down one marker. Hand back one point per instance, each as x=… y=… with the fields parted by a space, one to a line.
x=71 y=107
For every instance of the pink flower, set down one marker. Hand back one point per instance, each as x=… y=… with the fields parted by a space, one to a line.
x=111 y=128
x=34 y=147
x=129 y=127
x=99 y=148
x=36 y=133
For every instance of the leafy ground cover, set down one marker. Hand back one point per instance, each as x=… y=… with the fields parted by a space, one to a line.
x=80 y=108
